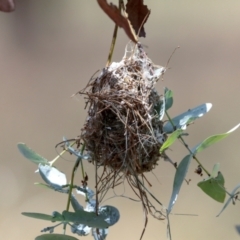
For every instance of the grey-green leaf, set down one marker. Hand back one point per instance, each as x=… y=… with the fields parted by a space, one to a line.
x=211 y=140
x=88 y=218
x=52 y=176
x=99 y=234
x=110 y=214
x=75 y=204
x=229 y=199
x=42 y=185
x=184 y=119
x=31 y=155
x=178 y=180
x=214 y=187
x=87 y=192
x=43 y=216
x=55 y=236
x=80 y=229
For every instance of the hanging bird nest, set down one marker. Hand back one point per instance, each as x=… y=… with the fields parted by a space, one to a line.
x=123 y=131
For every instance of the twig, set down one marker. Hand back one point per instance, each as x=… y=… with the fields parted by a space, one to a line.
x=114 y=38
x=183 y=142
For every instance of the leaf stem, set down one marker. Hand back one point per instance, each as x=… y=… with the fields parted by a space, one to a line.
x=199 y=163
x=170 y=120
x=184 y=143
x=79 y=160
x=71 y=182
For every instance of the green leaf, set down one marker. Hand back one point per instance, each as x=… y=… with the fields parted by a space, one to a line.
x=215 y=170
x=88 y=218
x=57 y=216
x=229 y=199
x=171 y=139
x=168 y=95
x=178 y=180
x=211 y=140
x=31 y=155
x=55 y=236
x=183 y=120
x=214 y=187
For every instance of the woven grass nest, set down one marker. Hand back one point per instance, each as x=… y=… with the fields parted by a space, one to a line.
x=123 y=131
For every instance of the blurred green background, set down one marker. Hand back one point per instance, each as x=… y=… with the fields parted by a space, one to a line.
x=48 y=51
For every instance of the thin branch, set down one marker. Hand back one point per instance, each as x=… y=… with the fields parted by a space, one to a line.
x=114 y=38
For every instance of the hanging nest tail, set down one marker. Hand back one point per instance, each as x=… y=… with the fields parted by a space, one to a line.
x=123 y=130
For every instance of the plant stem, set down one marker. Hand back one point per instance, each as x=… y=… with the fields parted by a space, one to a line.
x=72 y=180
x=183 y=142
x=79 y=160
x=170 y=120
x=114 y=38
x=82 y=168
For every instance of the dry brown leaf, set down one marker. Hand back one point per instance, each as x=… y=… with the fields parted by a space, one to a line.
x=113 y=12
x=7 y=5
x=138 y=14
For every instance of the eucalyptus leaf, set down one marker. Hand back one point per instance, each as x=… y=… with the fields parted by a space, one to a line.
x=99 y=234
x=55 y=236
x=229 y=199
x=87 y=157
x=52 y=176
x=237 y=227
x=215 y=170
x=87 y=192
x=42 y=185
x=171 y=139
x=75 y=204
x=91 y=205
x=211 y=140
x=214 y=187
x=88 y=218
x=43 y=216
x=183 y=120
x=66 y=142
x=74 y=152
x=110 y=214
x=31 y=155
x=178 y=180
x=80 y=229
x=168 y=95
